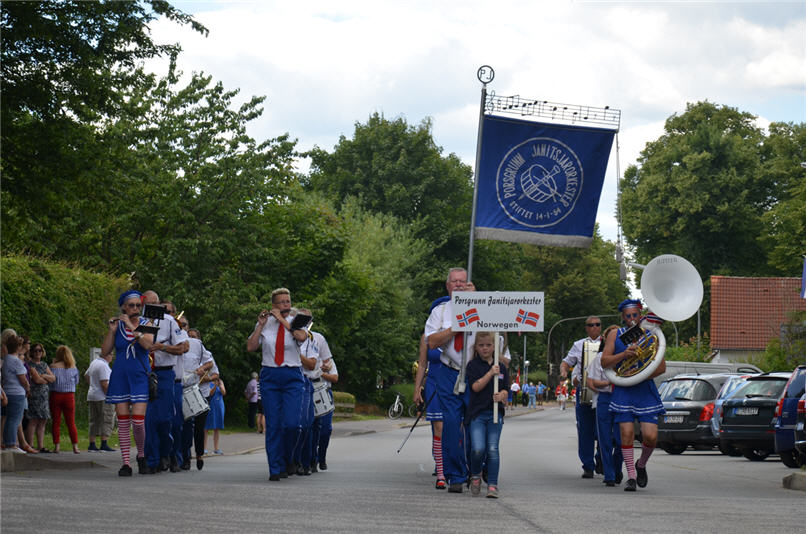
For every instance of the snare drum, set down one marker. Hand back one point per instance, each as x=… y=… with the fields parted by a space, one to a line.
x=193 y=402
x=322 y=401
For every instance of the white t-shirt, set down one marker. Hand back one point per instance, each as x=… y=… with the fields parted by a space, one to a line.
x=318 y=348
x=171 y=334
x=440 y=319
x=98 y=371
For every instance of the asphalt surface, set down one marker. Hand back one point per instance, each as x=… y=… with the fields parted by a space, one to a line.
x=370 y=487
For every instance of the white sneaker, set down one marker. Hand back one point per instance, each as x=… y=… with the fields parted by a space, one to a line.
x=16 y=450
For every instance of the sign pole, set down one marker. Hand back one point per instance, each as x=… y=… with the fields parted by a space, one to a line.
x=495 y=379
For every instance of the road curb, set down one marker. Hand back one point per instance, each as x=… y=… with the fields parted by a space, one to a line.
x=795 y=481
x=11 y=462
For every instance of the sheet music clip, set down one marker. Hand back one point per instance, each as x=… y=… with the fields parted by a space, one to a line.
x=154 y=311
x=300 y=321
x=145 y=329
x=632 y=335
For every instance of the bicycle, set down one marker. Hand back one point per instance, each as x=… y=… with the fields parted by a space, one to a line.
x=396 y=409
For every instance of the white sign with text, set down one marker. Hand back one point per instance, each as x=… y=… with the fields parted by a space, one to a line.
x=500 y=311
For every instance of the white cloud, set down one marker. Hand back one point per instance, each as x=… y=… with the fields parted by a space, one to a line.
x=325 y=65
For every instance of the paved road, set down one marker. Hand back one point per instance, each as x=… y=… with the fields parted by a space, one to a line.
x=371 y=488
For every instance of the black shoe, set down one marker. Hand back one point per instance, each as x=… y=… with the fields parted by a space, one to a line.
x=323 y=465
x=148 y=470
x=164 y=463
x=125 y=471
x=434 y=473
x=107 y=448
x=275 y=477
x=619 y=477
x=141 y=465
x=314 y=469
x=642 y=476
x=609 y=483
x=93 y=448
x=174 y=467
x=300 y=471
x=186 y=465
x=199 y=463
x=587 y=474
x=306 y=472
x=598 y=469
x=283 y=474
x=291 y=469
x=630 y=485
x=456 y=488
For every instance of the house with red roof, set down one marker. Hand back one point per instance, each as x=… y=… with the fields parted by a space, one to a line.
x=746 y=313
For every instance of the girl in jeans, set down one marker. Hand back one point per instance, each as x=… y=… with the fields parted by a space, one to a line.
x=15 y=387
x=484 y=434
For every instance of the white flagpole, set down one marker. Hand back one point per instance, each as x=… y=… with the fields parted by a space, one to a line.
x=495 y=380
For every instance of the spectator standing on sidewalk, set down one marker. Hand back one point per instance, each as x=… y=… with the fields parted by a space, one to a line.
x=251 y=393
x=102 y=415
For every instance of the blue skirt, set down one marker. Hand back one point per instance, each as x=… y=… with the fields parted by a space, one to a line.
x=433 y=412
x=639 y=400
x=215 y=417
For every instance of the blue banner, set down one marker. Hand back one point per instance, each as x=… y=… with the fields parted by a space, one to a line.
x=540 y=183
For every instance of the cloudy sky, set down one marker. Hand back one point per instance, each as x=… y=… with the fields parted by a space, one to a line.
x=325 y=65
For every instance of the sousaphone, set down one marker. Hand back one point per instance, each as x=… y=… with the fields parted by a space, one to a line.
x=672 y=290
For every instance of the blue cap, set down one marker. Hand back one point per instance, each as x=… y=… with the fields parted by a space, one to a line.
x=126 y=295
x=629 y=303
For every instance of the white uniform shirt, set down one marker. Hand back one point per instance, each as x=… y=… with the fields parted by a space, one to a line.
x=440 y=319
x=98 y=371
x=196 y=356
x=268 y=337
x=596 y=372
x=170 y=334
x=315 y=347
x=333 y=371
x=574 y=357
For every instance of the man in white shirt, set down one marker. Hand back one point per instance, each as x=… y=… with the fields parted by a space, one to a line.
x=102 y=415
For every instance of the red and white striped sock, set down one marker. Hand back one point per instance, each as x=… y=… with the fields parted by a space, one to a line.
x=646 y=452
x=629 y=460
x=139 y=423
x=436 y=450
x=124 y=437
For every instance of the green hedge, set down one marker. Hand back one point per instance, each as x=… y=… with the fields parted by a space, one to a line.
x=57 y=304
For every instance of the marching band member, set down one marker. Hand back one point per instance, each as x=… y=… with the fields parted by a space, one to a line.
x=128 y=383
x=640 y=401
x=313 y=351
x=282 y=384
x=323 y=425
x=196 y=363
x=606 y=428
x=433 y=411
x=171 y=342
x=586 y=418
x=439 y=334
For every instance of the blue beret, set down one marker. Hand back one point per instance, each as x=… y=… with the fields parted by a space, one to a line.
x=126 y=295
x=629 y=303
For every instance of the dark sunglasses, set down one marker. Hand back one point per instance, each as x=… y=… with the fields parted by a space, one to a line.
x=628 y=315
x=593 y=324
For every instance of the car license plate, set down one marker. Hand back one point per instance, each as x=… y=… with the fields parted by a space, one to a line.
x=672 y=419
x=746 y=411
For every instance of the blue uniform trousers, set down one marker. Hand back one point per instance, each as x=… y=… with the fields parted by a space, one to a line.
x=159 y=417
x=177 y=423
x=322 y=429
x=282 y=390
x=586 y=433
x=609 y=437
x=303 y=454
x=454 y=459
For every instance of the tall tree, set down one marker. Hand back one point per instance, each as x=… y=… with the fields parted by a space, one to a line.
x=398 y=169
x=699 y=191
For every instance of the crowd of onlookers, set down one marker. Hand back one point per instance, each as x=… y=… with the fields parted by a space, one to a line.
x=34 y=392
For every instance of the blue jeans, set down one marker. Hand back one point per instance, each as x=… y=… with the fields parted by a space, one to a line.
x=13 y=412
x=484 y=437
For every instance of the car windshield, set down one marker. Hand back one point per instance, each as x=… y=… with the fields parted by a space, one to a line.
x=688 y=390
x=731 y=385
x=770 y=388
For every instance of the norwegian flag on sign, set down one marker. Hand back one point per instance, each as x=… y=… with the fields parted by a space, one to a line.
x=527 y=317
x=468 y=317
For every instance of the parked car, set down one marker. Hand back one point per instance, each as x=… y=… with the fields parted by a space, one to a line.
x=675 y=368
x=747 y=416
x=730 y=385
x=786 y=413
x=689 y=404
x=800 y=426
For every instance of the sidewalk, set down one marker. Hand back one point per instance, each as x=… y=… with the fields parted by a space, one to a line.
x=231 y=444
